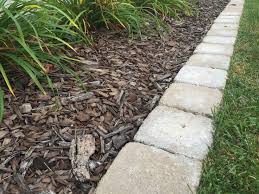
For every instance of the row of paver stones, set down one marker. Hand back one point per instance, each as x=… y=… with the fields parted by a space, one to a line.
x=174 y=139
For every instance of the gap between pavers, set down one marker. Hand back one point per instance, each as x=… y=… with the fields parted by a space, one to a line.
x=141 y=169
x=209 y=60
x=202 y=76
x=176 y=131
x=192 y=98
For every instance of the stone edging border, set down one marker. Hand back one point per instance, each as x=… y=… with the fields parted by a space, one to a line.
x=176 y=136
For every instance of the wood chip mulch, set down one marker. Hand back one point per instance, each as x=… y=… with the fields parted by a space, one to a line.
x=123 y=78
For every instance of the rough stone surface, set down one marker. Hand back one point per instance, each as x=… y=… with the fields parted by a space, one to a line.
x=226 y=13
x=177 y=132
x=218 y=26
x=202 y=76
x=227 y=19
x=141 y=169
x=208 y=60
x=192 y=98
x=240 y=2
x=236 y=3
x=235 y=17
x=233 y=9
x=222 y=32
x=219 y=40
x=218 y=49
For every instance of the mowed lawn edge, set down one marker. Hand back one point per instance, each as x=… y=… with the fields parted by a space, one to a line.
x=232 y=165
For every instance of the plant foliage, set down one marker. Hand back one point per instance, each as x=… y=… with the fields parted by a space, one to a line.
x=35 y=33
x=30 y=33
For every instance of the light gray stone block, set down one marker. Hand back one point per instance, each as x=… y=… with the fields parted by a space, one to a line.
x=237 y=1
x=209 y=60
x=227 y=20
x=218 y=49
x=232 y=9
x=192 y=98
x=226 y=13
x=202 y=76
x=218 y=26
x=177 y=132
x=222 y=32
x=235 y=17
x=220 y=39
x=141 y=169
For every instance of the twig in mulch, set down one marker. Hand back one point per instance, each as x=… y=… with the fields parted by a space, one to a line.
x=116 y=131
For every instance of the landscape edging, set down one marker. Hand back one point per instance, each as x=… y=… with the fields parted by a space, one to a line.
x=180 y=123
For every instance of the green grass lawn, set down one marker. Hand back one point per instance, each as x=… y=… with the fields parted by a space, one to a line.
x=232 y=165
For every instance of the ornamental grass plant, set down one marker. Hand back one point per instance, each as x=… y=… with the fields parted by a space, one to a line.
x=36 y=33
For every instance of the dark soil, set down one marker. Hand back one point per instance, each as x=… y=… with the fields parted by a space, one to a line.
x=124 y=79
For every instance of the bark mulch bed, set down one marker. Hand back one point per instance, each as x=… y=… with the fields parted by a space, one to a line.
x=124 y=79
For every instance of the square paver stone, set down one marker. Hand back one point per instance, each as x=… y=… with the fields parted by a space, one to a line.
x=237 y=1
x=227 y=20
x=232 y=9
x=218 y=39
x=192 y=98
x=229 y=16
x=219 y=26
x=209 y=60
x=222 y=32
x=202 y=76
x=226 y=13
x=218 y=49
x=176 y=131
x=141 y=169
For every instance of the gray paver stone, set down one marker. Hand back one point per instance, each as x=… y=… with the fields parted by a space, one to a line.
x=218 y=49
x=218 y=26
x=219 y=40
x=176 y=131
x=233 y=9
x=222 y=32
x=227 y=20
x=237 y=1
x=226 y=13
x=209 y=60
x=192 y=98
x=235 y=17
x=141 y=169
x=202 y=76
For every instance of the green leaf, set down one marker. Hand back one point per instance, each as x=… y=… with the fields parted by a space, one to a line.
x=2 y=71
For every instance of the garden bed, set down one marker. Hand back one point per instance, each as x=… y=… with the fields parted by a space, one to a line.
x=123 y=80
